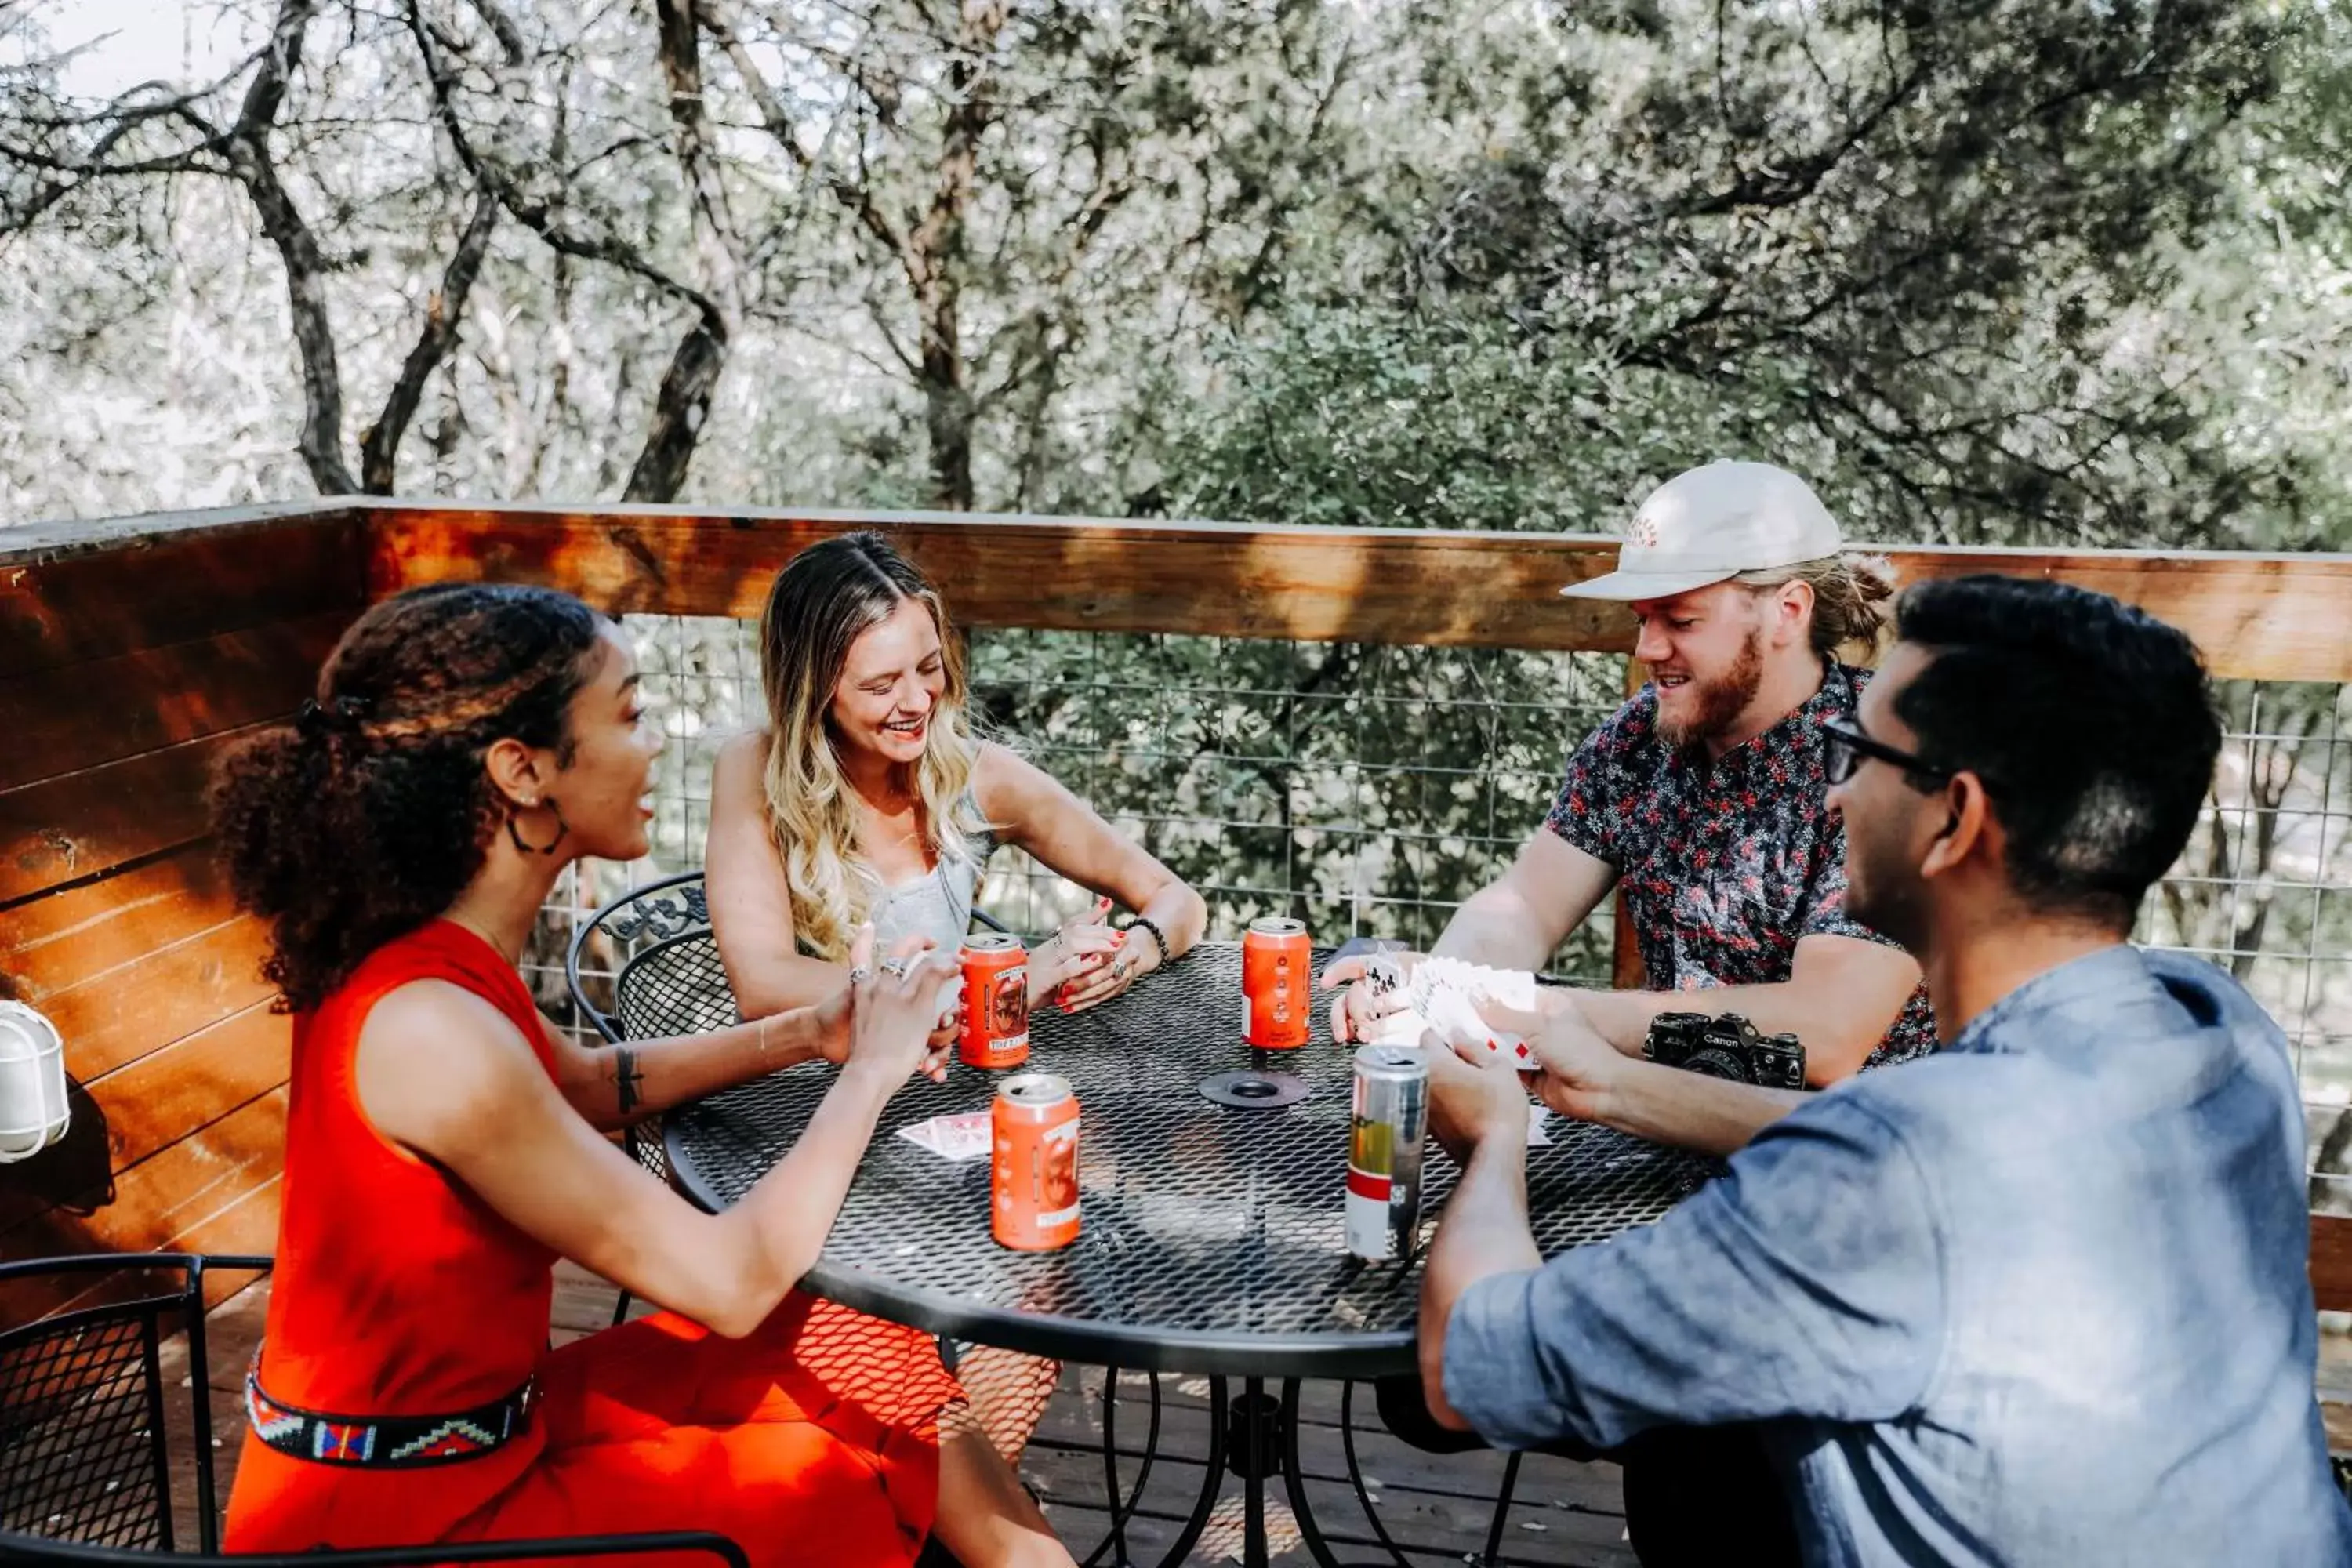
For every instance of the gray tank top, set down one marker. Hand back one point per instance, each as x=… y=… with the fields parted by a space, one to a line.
x=937 y=904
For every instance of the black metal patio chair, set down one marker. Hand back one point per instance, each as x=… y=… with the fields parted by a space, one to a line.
x=90 y=1451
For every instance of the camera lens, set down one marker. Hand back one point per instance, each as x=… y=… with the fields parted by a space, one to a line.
x=1715 y=1062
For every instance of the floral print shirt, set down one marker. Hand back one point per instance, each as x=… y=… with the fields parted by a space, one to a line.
x=1724 y=866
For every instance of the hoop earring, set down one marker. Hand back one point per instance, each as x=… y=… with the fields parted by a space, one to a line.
x=514 y=833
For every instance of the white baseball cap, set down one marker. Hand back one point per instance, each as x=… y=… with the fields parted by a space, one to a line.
x=1710 y=524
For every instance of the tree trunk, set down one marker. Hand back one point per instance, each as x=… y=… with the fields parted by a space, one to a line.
x=946 y=401
x=678 y=412
x=936 y=256
x=379 y=446
x=247 y=152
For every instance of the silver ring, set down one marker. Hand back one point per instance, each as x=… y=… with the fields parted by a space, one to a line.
x=895 y=967
x=858 y=972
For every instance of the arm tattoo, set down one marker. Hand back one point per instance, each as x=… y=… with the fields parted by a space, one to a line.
x=626 y=1078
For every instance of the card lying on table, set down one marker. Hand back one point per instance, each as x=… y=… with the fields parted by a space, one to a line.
x=960 y=1137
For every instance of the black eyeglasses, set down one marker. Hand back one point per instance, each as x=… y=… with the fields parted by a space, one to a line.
x=1846 y=745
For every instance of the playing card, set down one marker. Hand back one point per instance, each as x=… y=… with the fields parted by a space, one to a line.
x=1457 y=1023
x=962 y=1137
x=920 y=1135
x=1403 y=1027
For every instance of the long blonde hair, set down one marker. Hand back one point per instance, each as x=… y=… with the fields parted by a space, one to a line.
x=823 y=600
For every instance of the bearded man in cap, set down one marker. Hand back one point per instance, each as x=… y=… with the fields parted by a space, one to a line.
x=1702 y=802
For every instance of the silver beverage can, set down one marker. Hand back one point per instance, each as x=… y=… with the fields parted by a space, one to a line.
x=1390 y=1120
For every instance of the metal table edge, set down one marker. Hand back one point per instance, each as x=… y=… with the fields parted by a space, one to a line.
x=1360 y=1356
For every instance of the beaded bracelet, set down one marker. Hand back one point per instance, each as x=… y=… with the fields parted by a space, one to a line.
x=1158 y=940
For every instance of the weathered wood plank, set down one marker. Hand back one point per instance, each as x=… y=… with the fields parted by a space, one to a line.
x=1445 y=1526
x=1378 y=585
x=116 y=1018
x=80 y=825
x=145 y=1206
x=213 y=1191
x=2331 y=1262
x=192 y=1082
x=71 y=717
x=2264 y=616
x=1390 y=1464
x=70 y=593
x=148 y=1136
x=52 y=944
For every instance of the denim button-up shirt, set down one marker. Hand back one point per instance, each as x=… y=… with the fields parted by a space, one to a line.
x=2039 y=1299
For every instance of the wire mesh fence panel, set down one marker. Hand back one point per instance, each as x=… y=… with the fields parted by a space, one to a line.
x=1365 y=788
x=2265 y=890
x=1368 y=789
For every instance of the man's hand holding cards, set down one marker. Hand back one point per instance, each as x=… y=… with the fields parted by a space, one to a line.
x=1443 y=994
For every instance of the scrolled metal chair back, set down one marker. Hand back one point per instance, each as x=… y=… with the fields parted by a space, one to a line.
x=645 y=965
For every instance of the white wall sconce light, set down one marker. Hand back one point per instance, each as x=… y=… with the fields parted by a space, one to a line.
x=32 y=1109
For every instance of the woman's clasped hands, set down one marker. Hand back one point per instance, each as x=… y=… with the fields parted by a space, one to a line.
x=888 y=1019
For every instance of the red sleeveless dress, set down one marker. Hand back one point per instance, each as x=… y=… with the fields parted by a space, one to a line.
x=397 y=1292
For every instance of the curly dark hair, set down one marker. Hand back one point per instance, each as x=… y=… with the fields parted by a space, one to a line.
x=368 y=815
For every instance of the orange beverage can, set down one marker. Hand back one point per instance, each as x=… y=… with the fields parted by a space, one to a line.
x=1034 y=1177
x=1277 y=992
x=995 y=1031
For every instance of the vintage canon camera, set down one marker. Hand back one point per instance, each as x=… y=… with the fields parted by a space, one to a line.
x=1727 y=1047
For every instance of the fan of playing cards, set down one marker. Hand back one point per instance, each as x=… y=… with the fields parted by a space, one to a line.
x=1443 y=994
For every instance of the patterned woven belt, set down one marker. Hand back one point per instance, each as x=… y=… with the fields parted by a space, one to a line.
x=386 y=1442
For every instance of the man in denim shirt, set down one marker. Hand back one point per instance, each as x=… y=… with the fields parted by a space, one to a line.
x=2039 y=1299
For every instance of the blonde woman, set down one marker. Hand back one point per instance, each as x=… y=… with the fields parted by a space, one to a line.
x=867 y=798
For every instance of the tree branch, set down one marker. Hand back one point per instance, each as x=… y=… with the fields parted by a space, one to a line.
x=680 y=409
x=536 y=213
x=246 y=150
x=444 y=309
x=1771 y=188
x=503 y=27
x=683 y=403
x=680 y=48
x=854 y=196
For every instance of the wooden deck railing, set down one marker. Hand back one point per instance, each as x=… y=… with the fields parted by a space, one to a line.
x=133 y=650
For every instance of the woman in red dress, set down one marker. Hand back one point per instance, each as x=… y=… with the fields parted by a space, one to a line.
x=444 y=1144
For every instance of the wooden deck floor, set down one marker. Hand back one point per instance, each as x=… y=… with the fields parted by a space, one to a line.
x=1438 y=1508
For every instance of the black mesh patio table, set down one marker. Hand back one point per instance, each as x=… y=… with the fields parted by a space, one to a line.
x=1211 y=1237
x=1211 y=1240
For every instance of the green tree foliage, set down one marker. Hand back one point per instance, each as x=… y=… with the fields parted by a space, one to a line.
x=1982 y=269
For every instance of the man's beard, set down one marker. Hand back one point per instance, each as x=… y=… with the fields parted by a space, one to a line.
x=1718 y=703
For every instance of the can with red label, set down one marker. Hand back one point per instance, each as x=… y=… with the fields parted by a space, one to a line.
x=995 y=1001
x=1034 y=1176
x=1277 y=992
